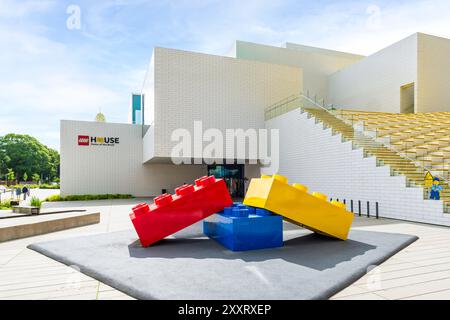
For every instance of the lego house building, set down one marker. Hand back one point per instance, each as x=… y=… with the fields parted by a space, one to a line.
x=361 y=129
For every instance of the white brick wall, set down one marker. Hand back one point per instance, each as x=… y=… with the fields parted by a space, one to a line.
x=312 y=156
x=317 y=64
x=223 y=92
x=118 y=169
x=434 y=74
x=374 y=82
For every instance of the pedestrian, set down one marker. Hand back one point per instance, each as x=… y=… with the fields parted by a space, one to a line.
x=18 y=193
x=25 y=192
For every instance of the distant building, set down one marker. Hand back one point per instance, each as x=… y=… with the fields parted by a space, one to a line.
x=136 y=108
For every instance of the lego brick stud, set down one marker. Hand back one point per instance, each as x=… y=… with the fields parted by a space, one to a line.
x=300 y=187
x=163 y=200
x=238 y=210
x=205 y=181
x=141 y=208
x=338 y=204
x=280 y=178
x=320 y=196
x=263 y=212
x=264 y=176
x=184 y=190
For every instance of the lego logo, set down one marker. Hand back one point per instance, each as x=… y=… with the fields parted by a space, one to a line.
x=83 y=140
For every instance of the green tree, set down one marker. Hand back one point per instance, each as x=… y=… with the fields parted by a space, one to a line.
x=35 y=177
x=4 y=162
x=10 y=176
x=27 y=154
x=25 y=176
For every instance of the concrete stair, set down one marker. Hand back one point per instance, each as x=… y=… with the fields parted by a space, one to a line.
x=400 y=165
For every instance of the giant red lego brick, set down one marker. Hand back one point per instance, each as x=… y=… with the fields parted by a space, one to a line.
x=172 y=213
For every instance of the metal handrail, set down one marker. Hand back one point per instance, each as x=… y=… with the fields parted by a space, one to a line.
x=281 y=102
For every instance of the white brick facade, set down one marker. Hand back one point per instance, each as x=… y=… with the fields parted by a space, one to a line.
x=317 y=64
x=311 y=155
x=434 y=74
x=222 y=92
x=115 y=169
x=374 y=83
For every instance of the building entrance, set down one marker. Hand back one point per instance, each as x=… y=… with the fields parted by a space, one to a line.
x=233 y=175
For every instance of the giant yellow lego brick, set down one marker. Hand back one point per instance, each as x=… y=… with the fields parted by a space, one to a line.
x=311 y=211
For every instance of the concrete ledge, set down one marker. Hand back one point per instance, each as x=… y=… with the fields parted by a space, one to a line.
x=27 y=227
x=26 y=209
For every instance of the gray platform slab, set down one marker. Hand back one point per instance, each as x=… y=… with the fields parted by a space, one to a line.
x=190 y=266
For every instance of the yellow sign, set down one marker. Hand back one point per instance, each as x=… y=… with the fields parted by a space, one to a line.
x=429 y=180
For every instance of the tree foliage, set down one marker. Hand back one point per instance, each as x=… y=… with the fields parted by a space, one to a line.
x=10 y=176
x=23 y=154
x=35 y=177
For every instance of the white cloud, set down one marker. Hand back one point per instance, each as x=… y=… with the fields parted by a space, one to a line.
x=44 y=80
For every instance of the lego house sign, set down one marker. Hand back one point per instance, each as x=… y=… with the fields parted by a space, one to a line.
x=97 y=141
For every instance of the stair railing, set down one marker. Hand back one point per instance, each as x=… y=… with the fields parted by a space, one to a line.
x=302 y=101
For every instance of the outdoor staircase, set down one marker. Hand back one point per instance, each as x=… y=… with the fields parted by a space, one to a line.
x=342 y=122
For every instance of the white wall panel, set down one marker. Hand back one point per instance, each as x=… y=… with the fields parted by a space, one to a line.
x=374 y=83
x=434 y=74
x=317 y=64
x=117 y=169
x=222 y=92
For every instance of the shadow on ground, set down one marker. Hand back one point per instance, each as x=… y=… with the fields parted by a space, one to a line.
x=310 y=250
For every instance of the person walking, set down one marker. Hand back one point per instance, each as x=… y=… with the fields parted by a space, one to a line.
x=25 y=192
x=18 y=193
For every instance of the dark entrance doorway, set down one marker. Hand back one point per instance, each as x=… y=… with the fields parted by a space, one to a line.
x=233 y=174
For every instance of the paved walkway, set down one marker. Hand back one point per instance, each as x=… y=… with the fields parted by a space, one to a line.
x=25 y=274
x=421 y=271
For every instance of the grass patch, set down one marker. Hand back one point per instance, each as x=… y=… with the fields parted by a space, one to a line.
x=5 y=205
x=86 y=197
x=35 y=202
x=35 y=186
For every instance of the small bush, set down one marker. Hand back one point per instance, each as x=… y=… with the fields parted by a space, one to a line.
x=86 y=197
x=35 y=186
x=49 y=186
x=53 y=198
x=5 y=205
x=35 y=202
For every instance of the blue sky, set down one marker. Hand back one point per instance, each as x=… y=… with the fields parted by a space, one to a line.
x=49 y=72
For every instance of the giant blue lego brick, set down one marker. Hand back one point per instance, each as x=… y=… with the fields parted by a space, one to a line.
x=242 y=228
